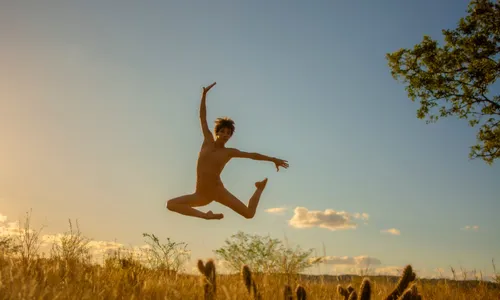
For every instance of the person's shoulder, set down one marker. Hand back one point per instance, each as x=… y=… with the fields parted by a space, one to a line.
x=232 y=152
x=207 y=144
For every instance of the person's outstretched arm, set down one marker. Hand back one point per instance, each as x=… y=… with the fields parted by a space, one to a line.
x=235 y=153
x=203 y=114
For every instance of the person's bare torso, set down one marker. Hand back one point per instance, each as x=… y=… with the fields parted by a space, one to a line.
x=211 y=162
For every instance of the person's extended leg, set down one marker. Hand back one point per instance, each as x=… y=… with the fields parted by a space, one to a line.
x=229 y=200
x=184 y=206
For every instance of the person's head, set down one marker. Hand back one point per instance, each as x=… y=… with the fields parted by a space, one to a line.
x=224 y=129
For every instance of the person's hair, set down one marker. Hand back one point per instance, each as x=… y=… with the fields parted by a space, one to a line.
x=224 y=123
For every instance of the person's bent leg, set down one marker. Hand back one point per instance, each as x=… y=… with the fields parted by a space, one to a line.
x=184 y=206
x=229 y=200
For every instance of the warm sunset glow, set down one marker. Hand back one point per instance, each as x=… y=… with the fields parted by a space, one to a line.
x=100 y=123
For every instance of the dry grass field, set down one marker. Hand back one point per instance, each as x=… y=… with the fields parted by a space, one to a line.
x=70 y=272
x=71 y=279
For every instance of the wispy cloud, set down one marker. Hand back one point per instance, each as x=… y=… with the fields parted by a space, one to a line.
x=471 y=228
x=276 y=210
x=10 y=228
x=362 y=264
x=392 y=231
x=101 y=249
x=328 y=219
x=362 y=216
x=97 y=249
x=362 y=260
x=388 y=271
x=14 y=228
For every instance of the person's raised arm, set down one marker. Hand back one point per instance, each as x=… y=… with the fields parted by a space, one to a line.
x=203 y=114
x=235 y=153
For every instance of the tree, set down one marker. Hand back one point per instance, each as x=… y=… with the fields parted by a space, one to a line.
x=71 y=246
x=28 y=240
x=457 y=77
x=262 y=254
x=170 y=256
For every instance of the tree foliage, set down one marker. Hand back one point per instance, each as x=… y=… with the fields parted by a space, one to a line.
x=170 y=256
x=28 y=240
x=262 y=254
x=8 y=245
x=456 y=78
x=72 y=245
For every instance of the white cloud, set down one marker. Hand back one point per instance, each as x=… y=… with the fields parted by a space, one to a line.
x=276 y=210
x=11 y=229
x=104 y=247
x=101 y=249
x=388 y=270
x=364 y=270
x=473 y=228
x=98 y=249
x=362 y=260
x=95 y=247
x=14 y=228
x=392 y=231
x=362 y=216
x=329 y=219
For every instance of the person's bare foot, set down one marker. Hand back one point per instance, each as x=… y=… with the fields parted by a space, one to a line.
x=261 y=184
x=211 y=216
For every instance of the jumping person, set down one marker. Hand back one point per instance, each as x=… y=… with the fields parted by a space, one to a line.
x=212 y=158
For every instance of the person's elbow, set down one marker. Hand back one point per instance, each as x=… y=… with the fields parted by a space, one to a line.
x=242 y=154
x=252 y=155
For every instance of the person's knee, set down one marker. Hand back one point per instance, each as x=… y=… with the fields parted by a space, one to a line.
x=249 y=214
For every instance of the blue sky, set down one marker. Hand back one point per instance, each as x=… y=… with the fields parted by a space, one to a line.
x=99 y=122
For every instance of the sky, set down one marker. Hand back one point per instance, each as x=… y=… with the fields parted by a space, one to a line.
x=99 y=123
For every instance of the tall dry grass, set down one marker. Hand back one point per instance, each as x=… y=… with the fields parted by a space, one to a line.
x=57 y=279
x=69 y=274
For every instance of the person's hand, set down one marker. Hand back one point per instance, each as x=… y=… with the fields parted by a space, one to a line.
x=206 y=89
x=280 y=163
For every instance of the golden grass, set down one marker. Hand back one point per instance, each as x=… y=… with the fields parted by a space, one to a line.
x=69 y=274
x=43 y=278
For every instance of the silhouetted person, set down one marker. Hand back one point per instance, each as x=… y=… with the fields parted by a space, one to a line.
x=212 y=158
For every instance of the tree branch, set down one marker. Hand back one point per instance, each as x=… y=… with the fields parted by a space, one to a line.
x=496 y=105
